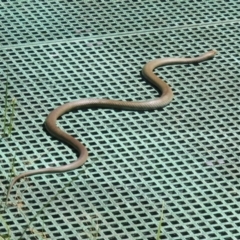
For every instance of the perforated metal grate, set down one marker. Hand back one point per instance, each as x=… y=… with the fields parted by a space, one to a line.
x=186 y=155
x=24 y=22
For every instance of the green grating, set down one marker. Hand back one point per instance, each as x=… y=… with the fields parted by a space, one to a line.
x=26 y=21
x=185 y=155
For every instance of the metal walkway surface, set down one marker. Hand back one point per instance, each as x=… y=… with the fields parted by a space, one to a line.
x=185 y=156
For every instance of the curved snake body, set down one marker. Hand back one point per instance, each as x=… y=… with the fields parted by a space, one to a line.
x=147 y=71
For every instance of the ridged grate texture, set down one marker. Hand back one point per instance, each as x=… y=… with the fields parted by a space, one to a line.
x=185 y=156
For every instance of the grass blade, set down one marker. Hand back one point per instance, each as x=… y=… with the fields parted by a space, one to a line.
x=160 y=224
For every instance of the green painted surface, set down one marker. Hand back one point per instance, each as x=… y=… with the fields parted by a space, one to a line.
x=186 y=155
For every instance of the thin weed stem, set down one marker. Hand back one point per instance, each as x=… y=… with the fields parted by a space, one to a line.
x=7 y=235
x=12 y=173
x=5 y=108
x=160 y=224
x=8 y=126
x=12 y=116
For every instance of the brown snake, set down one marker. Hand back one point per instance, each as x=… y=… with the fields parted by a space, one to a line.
x=147 y=71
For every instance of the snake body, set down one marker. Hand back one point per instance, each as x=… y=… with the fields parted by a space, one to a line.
x=147 y=72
